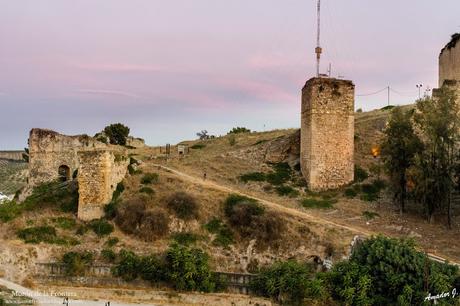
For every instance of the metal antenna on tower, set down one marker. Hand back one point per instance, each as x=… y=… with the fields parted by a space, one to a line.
x=318 y=49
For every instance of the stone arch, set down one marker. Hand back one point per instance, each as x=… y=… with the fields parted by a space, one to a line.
x=64 y=173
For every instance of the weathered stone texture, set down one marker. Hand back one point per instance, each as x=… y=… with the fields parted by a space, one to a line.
x=449 y=61
x=98 y=176
x=100 y=167
x=135 y=142
x=327 y=133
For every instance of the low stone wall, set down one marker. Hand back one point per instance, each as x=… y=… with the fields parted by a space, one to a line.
x=100 y=275
x=11 y=155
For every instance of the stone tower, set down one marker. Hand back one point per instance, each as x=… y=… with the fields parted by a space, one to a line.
x=327 y=133
x=449 y=61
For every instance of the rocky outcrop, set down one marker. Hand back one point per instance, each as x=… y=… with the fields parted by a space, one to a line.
x=284 y=149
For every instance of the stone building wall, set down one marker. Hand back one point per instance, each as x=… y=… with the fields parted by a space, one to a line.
x=11 y=155
x=135 y=142
x=100 y=167
x=327 y=133
x=449 y=61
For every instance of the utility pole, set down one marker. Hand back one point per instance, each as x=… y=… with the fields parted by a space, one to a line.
x=318 y=49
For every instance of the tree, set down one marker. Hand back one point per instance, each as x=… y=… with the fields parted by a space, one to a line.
x=117 y=133
x=399 y=148
x=438 y=121
x=25 y=155
x=203 y=135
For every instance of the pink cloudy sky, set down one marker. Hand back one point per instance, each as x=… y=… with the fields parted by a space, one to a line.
x=169 y=68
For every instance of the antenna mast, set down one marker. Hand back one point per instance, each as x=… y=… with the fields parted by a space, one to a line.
x=318 y=49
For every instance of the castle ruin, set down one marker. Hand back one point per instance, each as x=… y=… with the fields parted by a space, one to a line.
x=327 y=133
x=96 y=166
x=449 y=66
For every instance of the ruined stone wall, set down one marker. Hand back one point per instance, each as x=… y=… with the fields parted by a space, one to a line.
x=449 y=61
x=48 y=150
x=99 y=173
x=327 y=133
x=135 y=142
x=100 y=167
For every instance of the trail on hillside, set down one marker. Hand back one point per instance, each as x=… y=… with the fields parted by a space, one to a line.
x=280 y=208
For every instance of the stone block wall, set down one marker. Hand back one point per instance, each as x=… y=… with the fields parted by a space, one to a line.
x=327 y=133
x=449 y=61
x=100 y=167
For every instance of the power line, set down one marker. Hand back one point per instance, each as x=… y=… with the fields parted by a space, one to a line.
x=373 y=93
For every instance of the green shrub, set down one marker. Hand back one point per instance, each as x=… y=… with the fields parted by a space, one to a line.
x=288 y=282
x=150 y=178
x=75 y=263
x=9 y=210
x=185 y=238
x=224 y=236
x=101 y=227
x=108 y=255
x=188 y=269
x=239 y=130
x=388 y=107
x=183 y=205
x=360 y=174
x=371 y=191
x=253 y=176
x=284 y=190
x=198 y=146
x=38 y=234
x=241 y=210
x=65 y=223
x=282 y=174
x=110 y=210
x=118 y=191
x=232 y=140
x=387 y=271
x=128 y=267
x=318 y=203
x=369 y=215
x=112 y=241
x=350 y=193
x=147 y=190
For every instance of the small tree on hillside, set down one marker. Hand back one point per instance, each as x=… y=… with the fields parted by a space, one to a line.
x=203 y=135
x=399 y=149
x=117 y=133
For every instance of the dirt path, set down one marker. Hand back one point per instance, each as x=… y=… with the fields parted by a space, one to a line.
x=281 y=208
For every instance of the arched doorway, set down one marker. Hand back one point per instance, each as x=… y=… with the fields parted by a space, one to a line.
x=64 y=173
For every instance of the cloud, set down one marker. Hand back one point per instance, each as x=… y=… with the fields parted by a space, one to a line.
x=109 y=93
x=118 y=67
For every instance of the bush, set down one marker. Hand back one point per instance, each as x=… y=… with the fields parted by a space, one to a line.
x=75 y=263
x=360 y=174
x=284 y=190
x=318 y=203
x=150 y=178
x=183 y=205
x=65 y=223
x=288 y=282
x=108 y=255
x=118 y=191
x=129 y=215
x=101 y=227
x=241 y=210
x=188 y=269
x=154 y=224
x=253 y=176
x=147 y=190
x=238 y=130
x=387 y=271
x=112 y=242
x=117 y=133
x=224 y=236
x=198 y=146
x=350 y=193
x=128 y=267
x=369 y=215
x=185 y=238
x=232 y=140
x=282 y=174
x=371 y=191
x=38 y=234
x=9 y=210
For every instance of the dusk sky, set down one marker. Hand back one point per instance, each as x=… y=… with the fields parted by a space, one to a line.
x=170 y=68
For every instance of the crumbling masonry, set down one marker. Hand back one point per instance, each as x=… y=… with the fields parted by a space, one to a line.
x=327 y=133
x=449 y=65
x=97 y=167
